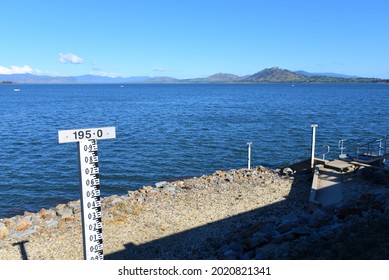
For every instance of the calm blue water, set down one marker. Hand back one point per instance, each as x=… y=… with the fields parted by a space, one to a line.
x=169 y=131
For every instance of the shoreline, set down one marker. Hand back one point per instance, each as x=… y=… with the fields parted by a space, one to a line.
x=235 y=214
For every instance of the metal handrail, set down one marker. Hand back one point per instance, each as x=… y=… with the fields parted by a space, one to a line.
x=326 y=150
x=378 y=145
x=342 y=147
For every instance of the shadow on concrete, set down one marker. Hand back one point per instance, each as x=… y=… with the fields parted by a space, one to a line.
x=203 y=241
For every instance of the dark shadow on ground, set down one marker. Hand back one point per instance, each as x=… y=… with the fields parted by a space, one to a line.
x=368 y=240
x=22 y=249
x=202 y=242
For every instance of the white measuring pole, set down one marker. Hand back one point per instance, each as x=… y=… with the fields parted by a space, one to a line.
x=90 y=200
x=89 y=185
x=314 y=125
x=249 y=155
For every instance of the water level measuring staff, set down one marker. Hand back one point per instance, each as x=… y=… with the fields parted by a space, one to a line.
x=89 y=184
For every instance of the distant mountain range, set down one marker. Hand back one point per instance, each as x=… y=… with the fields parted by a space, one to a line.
x=326 y=74
x=269 y=75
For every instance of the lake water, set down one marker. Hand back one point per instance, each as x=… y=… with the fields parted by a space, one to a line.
x=169 y=131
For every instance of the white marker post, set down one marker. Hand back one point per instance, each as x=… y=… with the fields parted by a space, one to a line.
x=90 y=184
x=249 y=155
x=314 y=125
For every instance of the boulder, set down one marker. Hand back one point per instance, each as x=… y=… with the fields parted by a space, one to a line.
x=230 y=255
x=366 y=173
x=46 y=214
x=380 y=177
x=75 y=206
x=288 y=222
x=22 y=224
x=287 y=171
x=64 y=212
x=116 y=200
x=19 y=235
x=3 y=231
x=257 y=240
x=269 y=231
x=302 y=231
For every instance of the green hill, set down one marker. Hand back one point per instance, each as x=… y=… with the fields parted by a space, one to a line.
x=278 y=75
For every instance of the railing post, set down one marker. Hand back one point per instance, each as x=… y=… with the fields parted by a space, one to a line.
x=357 y=149
x=341 y=147
x=326 y=152
x=249 y=155
x=314 y=125
x=381 y=147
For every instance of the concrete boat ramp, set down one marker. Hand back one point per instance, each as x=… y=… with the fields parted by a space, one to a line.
x=327 y=182
x=330 y=176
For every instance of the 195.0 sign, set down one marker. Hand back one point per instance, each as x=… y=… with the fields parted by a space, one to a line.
x=87 y=134
x=66 y=136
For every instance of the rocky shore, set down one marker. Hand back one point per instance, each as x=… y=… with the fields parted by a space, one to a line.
x=235 y=214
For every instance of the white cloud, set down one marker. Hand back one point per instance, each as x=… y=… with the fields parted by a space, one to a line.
x=159 y=69
x=25 y=69
x=70 y=58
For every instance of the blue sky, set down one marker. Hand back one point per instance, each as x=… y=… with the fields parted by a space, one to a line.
x=196 y=38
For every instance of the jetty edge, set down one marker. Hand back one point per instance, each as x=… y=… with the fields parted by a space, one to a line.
x=235 y=214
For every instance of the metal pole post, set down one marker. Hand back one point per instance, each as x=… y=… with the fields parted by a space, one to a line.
x=314 y=125
x=249 y=155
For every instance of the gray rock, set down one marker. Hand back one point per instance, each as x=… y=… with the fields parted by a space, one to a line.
x=249 y=255
x=149 y=199
x=235 y=246
x=381 y=178
x=64 y=212
x=315 y=237
x=328 y=230
x=257 y=240
x=264 y=251
x=287 y=236
x=170 y=188
x=3 y=230
x=269 y=231
x=229 y=178
x=230 y=255
x=51 y=223
x=161 y=184
x=287 y=223
x=75 y=206
x=287 y=171
x=290 y=218
x=116 y=200
x=302 y=231
x=18 y=235
x=310 y=220
x=45 y=214
x=315 y=218
x=224 y=248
